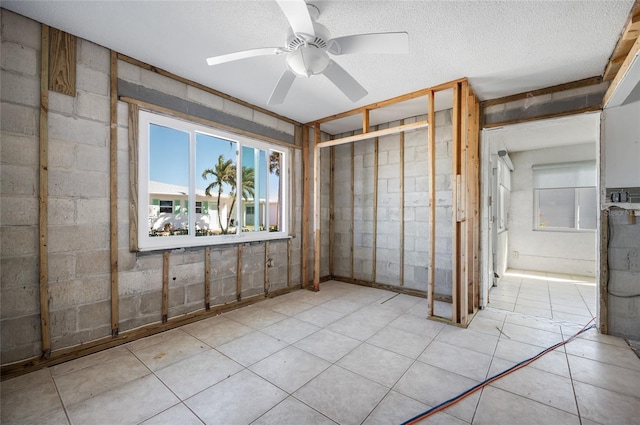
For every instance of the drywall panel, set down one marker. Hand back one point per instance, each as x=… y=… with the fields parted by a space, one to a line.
x=622 y=146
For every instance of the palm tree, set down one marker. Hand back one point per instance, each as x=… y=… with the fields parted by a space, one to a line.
x=224 y=172
x=274 y=168
x=248 y=185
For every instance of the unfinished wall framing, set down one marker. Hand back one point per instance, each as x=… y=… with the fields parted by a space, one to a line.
x=369 y=225
x=74 y=286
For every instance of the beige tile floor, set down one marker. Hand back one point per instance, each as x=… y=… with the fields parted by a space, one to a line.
x=347 y=355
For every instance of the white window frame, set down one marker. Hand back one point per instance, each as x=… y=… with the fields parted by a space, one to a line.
x=148 y=243
x=583 y=177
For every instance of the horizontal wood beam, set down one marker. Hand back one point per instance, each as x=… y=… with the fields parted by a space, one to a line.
x=635 y=50
x=373 y=134
x=547 y=90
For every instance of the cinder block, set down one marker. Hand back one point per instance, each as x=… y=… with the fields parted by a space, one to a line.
x=78 y=130
x=18 y=240
x=138 y=282
x=91 y=158
x=634 y=260
x=204 y=98
x=78 y=238
x=96 y=315
x=19 y=271
x=63 y=322
x=625 y=283
x=151 y=302
x=19 y=58
x=176 y=297
x=164 y=84
x=92 y=211
x=237 y=109
x=61 y=211
x=286 y=127
x=62 y=267
x=129 y=72
x=20 y=29
x=62 y=155
x=19 y=211
x=61 y=103
x=78 y=184
x=20 y=301
x=18 y=119
x=619 y=258
x=70 y=294
x=90 y=80
x=17 y=149
x=79 y=337
x=89 y=263
x=93 y=106
x=94 y=56
x=20 y=89
x=19 y=331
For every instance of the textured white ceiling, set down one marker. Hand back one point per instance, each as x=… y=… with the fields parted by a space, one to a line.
x=503 y=47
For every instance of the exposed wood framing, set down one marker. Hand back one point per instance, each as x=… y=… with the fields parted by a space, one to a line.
x=547 y=90
x=353 y=208
x=267 y=264
x=332 y=160
x=365 y=121
x=455 y=207
x=113 y=192
x=43 y=174
x=396 y=289
x=431 y=284
x=202 y=87
x=316 y=209
x=133 y=177
x=207 y=278
x=288 y=263
x=161 y=109
x=373 y=134
x=473 y=202
x=239 y=274
x=624 y=67
x=625 y=42
x=62 y=62
x=304 y=274
x=374 y=231
x=165 y=286
x=401 y=205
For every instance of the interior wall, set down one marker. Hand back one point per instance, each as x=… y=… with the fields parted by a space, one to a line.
x=557 y=251
x=621 y=151
x=79 y=283
x=388 y=241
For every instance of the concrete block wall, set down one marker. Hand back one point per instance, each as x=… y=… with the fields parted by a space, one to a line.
x=20 y=100
x=387 y=238
x=624 y=275
x=78 y=207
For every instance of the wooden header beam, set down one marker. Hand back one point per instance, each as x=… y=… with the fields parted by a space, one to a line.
x=373 y=134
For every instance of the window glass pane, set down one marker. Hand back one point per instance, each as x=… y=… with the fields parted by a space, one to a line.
x=556 y=208
x=261 y=184
x=215 y=185
x=275 y=191
x=168 y=181
x=587 y=207
x=253 y=188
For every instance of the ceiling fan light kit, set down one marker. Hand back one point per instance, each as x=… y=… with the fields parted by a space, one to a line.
x=308 y=46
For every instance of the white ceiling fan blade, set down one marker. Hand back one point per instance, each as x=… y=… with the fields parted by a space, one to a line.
x=244 y=54
x=298 y=16
x=282 y=88
x=345 y=82
x=384 y=42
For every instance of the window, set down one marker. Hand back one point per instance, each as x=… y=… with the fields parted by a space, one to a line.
x=203 y=186
x=565 y=196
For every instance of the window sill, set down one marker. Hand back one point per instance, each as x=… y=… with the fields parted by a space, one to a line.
x=216 y=241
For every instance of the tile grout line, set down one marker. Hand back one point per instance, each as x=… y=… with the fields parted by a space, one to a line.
x=573 y=388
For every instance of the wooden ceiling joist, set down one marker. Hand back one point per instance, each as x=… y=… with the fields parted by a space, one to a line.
x=624 y=45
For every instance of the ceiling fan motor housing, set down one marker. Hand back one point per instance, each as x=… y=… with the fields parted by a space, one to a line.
x=308 y=53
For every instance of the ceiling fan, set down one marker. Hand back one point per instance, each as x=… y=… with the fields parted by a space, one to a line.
x=308 y=45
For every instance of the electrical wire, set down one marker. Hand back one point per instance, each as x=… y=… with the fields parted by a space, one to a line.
x=459 y=397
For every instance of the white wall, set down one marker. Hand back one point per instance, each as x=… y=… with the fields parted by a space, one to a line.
x=622 y=145
x=560 y=252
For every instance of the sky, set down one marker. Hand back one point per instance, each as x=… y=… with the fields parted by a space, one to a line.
x=169 y=158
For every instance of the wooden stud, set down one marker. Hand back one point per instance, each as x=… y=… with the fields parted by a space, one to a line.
x=633 y=52
x=401 y=204
x=165 y=286
x=239 y=274
x=365 y=121
x=432 y=202
x=267 y=263
x=207 y=278
x=288 y=263
x=62 y=62
x=316 y=209
x=43 y=171
x=113 y=193
x=133 y=176
x=353 y=210
x=455 y=232
x=332 y=160
x=374 y=251
x=603 y=315
x=304 y=277
x=373 y=134
x=624 y=44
